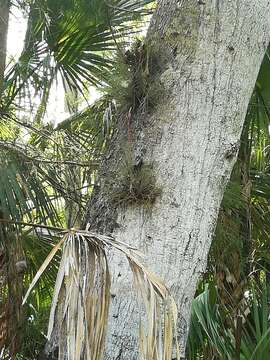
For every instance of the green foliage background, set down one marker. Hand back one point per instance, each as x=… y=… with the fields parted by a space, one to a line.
x=47 y=175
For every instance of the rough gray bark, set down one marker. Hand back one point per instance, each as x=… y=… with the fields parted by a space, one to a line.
x=4 y=16
x=209 y=54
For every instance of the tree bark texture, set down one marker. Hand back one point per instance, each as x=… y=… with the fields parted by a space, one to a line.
x=208 y=57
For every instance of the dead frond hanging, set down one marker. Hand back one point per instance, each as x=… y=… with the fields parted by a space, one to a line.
x=84 y=277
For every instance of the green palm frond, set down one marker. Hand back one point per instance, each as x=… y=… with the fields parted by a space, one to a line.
x=23 y=199
x=74 y=39
x=211 y=336
x=22 y=195
x=207 y=330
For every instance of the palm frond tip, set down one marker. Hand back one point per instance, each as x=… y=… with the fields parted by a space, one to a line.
x=84 y=313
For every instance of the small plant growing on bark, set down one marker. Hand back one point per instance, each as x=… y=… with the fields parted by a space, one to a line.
x=136 y=184
x=130 y=83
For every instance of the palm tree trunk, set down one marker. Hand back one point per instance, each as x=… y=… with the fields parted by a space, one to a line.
x=4 y=16
x=207 y=57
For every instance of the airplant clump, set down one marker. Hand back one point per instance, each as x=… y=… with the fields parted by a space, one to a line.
x=136 y=185
x=130 y=82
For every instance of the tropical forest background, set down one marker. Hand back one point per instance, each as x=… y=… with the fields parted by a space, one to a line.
x=85 y=52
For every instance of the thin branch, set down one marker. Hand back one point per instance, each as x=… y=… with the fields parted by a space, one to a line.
x=22 y=150
x=66 y=162
x=22 y=223
x=141 y=13
x=45 y=133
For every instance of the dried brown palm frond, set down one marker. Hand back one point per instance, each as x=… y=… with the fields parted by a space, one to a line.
x=84 y=278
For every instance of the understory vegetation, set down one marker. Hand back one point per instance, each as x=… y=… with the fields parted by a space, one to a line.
x=48 y=173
